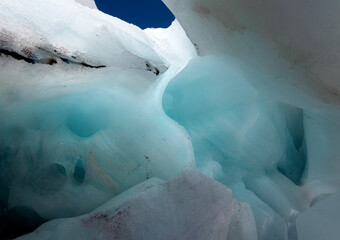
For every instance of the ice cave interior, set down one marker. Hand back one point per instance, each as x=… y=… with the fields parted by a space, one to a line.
x=225 y=125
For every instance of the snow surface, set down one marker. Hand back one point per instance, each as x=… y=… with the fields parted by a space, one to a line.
x=88 y=3
x=172 y=44
x=190 y=196
x=68 y=30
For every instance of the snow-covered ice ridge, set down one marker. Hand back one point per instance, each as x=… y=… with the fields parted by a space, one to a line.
x=226 y=125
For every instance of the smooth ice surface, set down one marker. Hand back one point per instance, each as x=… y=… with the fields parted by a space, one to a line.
x=240 y=138
x=73 y=137
x=287 y=51
x=323 y=137
x=321 y=221
x=110 y=130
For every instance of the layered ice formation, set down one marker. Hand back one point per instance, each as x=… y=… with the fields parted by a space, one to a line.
x=226 y=125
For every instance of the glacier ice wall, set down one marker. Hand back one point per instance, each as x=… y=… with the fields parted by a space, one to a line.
x=98 y=118
x=72 y=136
x=294 y=43
x=321 y=221
x=292 y=46
x=241 y=138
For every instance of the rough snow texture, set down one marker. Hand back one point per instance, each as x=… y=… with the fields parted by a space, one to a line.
x=191 y=206
x=88 y=3
x=172 y=44
x=64 y=31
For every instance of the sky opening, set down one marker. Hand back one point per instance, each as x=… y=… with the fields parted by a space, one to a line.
x=144 y=14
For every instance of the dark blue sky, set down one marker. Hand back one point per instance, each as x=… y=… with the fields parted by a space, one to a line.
x=143 y=13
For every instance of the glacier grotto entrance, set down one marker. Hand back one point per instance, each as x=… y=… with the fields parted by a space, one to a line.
x=145 y=14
